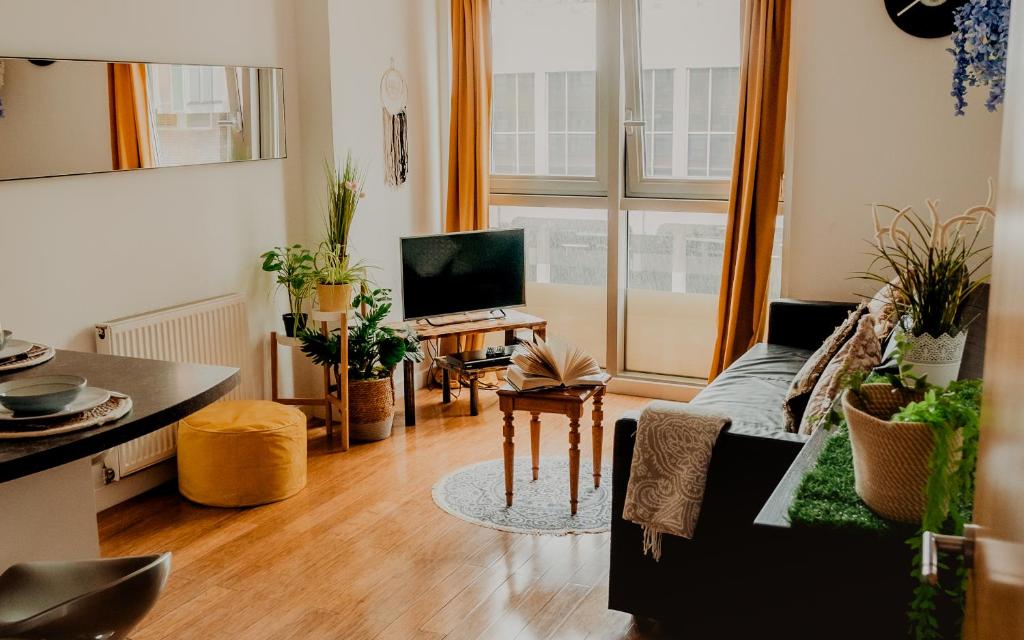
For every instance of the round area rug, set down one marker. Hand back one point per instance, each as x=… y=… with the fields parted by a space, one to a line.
x=477 y=494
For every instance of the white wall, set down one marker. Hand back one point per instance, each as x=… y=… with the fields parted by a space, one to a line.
x=872 y=121
x=365 y=36
x=79 y=250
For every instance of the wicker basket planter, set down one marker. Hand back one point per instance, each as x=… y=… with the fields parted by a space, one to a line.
x=890 y=459
x=371 y=408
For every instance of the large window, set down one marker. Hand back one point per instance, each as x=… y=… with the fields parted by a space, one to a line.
x=546 y=115
x=627 y=266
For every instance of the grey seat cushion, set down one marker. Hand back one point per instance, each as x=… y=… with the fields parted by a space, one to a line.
x=752 y=391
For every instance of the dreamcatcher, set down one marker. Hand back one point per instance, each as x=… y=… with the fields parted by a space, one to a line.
x=393 y=97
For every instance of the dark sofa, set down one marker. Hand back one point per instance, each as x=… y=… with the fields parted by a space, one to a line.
x=734 y=579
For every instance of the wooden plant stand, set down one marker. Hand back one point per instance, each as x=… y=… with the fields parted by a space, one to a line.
x=338 y=400
x=565 y=401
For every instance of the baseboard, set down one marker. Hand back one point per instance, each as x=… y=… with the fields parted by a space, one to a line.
x=137 y=483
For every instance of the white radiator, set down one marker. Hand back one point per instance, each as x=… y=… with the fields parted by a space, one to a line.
x=214 y=331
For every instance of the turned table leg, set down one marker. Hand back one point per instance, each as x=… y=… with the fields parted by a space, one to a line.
x=535 y=443
x=574 y=463
x=598 y=436
x=509 y=450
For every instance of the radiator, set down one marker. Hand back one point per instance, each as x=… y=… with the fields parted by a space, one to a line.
x=214 y=331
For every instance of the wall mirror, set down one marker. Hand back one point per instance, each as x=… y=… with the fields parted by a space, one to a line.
x=65 y=117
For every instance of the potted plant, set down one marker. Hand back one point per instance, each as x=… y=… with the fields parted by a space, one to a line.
x=931 y=268
x=294 y=266
x=374 y=351
x=335 y=273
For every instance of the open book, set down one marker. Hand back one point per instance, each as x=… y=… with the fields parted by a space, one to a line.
x=539 y=365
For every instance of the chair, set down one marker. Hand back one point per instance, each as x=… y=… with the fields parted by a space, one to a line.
x=95 y=599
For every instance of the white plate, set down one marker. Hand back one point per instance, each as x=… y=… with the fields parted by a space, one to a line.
x=89 y=398
x=14 y=348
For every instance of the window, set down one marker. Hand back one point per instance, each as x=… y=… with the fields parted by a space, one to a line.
x=711 y=126
x=512 y=124
x=674 y=275
x=572 y=123
x=566 y=270
x=684 y=101
x=546 y=129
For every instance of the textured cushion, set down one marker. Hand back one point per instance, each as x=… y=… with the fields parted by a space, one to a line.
x=751 y=390
x=862 y=353
x=242 y=453
x=882 y=307
x=800 y=390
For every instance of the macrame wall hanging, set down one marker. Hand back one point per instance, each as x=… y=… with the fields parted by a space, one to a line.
x=393 y=98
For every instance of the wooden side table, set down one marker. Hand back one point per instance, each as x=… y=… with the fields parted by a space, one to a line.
x=565 y=401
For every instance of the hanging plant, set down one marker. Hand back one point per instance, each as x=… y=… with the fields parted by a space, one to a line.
x=980 y=35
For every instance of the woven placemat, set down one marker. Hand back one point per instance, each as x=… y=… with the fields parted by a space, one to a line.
x=114 y=409
x=38 y=354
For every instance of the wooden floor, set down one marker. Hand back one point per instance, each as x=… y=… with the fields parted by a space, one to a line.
x=363 y=552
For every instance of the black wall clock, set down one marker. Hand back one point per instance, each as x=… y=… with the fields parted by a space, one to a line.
x=924 y=18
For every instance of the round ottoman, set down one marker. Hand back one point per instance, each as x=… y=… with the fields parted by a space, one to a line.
x=240 y=453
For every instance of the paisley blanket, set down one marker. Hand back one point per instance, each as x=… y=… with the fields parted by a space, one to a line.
x=670 y=464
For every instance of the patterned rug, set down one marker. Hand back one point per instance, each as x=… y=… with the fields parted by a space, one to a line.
x=477 y=494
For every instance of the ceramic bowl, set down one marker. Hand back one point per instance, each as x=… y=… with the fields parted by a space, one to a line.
x=40 y=394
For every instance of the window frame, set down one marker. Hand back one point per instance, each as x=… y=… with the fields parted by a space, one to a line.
x=605 y=95
x=637 y=183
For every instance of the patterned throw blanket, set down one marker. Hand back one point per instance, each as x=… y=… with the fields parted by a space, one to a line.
x=670 y=464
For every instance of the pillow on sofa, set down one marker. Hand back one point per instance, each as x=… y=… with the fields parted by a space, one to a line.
x=800 y=390
x=883 y=307
x=863 y=352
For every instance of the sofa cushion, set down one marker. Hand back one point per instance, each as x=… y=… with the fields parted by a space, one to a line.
x=861 y=353
x=803 y=383
x=751 y=391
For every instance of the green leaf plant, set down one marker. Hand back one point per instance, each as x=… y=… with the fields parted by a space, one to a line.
x=953 y=415
x=374 y=349
x=294 y=266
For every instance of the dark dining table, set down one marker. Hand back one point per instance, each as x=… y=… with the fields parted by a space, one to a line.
x=47 y=487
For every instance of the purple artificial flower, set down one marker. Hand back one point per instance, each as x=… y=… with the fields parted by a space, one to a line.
x=980 y=35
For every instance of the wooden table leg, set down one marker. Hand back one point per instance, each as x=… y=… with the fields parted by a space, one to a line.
x=510 y=336
x=535 y=443
x=598 y=435
x=509 y=449
x=446 y=386
x=474 y=391
x=574 y=462
x=409 y=388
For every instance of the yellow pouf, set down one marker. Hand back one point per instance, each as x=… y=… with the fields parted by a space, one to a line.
x=241 y=453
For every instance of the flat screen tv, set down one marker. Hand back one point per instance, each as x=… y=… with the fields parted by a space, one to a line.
x=463 y=272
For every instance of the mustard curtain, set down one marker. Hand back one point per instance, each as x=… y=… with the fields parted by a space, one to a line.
x=469 y=141
x=756 y=180
x=131 y=135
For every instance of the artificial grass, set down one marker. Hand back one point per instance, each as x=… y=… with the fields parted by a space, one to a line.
x=827 y=498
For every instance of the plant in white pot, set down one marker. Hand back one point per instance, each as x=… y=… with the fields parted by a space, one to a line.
x=931 y=268
x=335 y=272
x=374 y=350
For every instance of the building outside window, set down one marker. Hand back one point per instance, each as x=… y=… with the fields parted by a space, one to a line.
x=513 y=139
x=711 y=124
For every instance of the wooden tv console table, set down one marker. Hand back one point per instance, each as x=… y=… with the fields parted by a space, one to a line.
x=509 y=323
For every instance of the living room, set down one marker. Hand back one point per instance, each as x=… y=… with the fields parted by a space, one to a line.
x=617 y=165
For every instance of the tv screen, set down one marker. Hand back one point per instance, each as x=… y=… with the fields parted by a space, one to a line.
x=461 y=272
